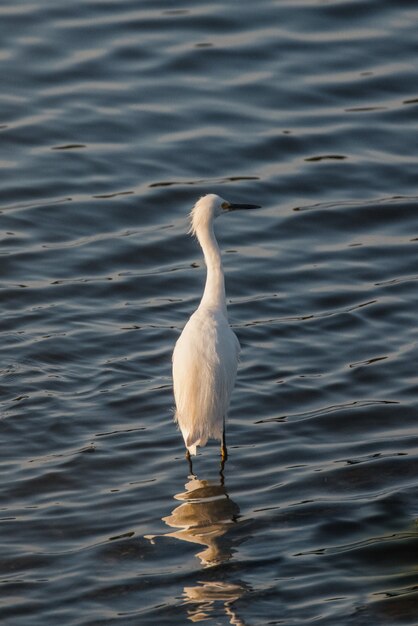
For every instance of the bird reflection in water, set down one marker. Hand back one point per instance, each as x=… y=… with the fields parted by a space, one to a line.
x=204 y=596
x=204 y=517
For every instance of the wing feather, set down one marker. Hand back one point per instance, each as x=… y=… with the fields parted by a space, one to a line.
x=205 y=363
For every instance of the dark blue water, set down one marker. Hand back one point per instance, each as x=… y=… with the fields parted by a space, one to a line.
x=114 y=118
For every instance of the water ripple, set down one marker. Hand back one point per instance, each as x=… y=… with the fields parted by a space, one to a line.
x=114 y=119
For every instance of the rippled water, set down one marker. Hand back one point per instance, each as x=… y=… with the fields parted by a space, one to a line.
x=114 y=118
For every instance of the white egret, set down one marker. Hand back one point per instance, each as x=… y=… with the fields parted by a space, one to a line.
x=205 y=357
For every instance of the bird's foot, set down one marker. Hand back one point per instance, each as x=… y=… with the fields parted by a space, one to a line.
x=224 y=454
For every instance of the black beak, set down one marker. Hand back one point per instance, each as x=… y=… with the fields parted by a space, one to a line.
x=234 y=207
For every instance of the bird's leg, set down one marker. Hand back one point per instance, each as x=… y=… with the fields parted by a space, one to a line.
x=224 y=452
x=224 y=456
x=189 y=460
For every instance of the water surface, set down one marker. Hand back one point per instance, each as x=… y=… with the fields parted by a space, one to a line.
x=114 y=118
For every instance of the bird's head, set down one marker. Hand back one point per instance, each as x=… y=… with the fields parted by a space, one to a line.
x=208 y=207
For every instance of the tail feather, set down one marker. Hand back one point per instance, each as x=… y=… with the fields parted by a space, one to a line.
x=192 y=442
x=192 y=448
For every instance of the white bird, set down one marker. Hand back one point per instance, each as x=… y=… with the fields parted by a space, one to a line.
x=205 y=357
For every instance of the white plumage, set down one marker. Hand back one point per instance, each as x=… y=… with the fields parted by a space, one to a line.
x=205 y=357
x=204 y=376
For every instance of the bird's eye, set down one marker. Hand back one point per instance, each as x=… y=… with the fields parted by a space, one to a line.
x=225 y=205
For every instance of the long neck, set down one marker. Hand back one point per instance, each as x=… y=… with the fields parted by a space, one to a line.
x=214 y=294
